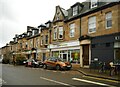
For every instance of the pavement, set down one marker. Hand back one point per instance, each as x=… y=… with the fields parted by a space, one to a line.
x=95 y=73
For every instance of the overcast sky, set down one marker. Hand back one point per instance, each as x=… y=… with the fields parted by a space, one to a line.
x=16 y=15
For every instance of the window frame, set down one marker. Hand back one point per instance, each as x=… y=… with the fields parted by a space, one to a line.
x=72 y=30
x=108 y=19
x=75 y=10
x=46 y=39
x=42 y=41
x=61 y=30
x=92 y=24
x=55 y=33
x=94 y=3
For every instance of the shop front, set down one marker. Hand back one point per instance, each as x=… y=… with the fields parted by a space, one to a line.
x=68 y=51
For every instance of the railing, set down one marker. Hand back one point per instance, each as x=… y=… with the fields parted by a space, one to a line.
x=102 y=67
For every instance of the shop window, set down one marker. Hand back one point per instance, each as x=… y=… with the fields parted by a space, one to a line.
x=75 y=56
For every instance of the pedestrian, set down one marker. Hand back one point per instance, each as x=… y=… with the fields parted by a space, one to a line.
x=14 y=60
x=112 y=68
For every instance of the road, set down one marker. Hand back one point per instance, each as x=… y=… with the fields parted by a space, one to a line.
x=20 y=75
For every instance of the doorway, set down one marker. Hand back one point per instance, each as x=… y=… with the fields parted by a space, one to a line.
x=64 y=56
x=44 y=56
x=85 y=55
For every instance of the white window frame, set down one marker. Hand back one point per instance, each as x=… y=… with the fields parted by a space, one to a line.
x=48 y=25
x=55 y=33
x=72 y=29
x=31 y=43
x=94 y=3
x=61 y=32
x=42 y=39
x=37 y=42
x=108 y=17
x=33 y=32
x=75 y=10
x=92 y=24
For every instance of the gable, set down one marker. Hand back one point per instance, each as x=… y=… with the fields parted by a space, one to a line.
x=59 y=14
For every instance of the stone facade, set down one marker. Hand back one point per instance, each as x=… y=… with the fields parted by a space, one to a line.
x=69 y=36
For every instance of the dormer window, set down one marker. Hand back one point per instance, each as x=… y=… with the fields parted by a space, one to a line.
x=28 y=34
x=94 y=3
x=75 y=10
x=48 y=25
x=33 y=32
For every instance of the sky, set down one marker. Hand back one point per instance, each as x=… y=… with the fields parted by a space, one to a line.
x=16 y=15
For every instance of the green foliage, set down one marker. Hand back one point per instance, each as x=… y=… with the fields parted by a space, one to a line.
x=20 y=59
x=5 y=61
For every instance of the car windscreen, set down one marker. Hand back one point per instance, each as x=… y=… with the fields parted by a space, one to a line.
x=60 y=59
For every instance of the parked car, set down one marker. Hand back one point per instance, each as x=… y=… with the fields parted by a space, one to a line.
x=33 y=63
x=56 y=63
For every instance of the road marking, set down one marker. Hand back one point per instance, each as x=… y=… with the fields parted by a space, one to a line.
x=2 y=81
x=57 y=82
x=54 y=71
x=47 y=70
x=101 y=79
x=97 y=83
x=63 y=72
x=41 y=69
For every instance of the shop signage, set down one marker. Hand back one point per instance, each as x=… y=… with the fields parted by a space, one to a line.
x=64 y=44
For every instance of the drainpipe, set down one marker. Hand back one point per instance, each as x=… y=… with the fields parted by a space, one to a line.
x=80 y=26
x=80 y=47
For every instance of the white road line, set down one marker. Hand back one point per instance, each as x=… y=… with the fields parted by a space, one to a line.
x=97 y=83
x=101 y=79
x=2 y=81
x=54 y=71
x=63 y=72
x=57 y=82
x=47 y=70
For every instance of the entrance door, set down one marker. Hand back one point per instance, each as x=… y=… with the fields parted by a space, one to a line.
x=85 y=55
x=44 y=56
x=117 y=54
x=34 y=55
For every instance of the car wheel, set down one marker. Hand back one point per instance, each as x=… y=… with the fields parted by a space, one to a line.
x=58 y=67
x=45 y=66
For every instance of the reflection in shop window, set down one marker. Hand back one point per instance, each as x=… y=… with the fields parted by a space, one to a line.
x=75 y=56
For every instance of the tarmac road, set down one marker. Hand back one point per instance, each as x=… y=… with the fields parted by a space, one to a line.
x=27 y=76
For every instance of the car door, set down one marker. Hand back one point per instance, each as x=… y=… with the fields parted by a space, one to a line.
x=52 y=62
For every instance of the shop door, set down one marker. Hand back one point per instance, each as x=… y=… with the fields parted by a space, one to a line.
x=86 y=55
x=65 y=57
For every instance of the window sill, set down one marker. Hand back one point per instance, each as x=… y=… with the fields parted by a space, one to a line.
x=107 y=28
